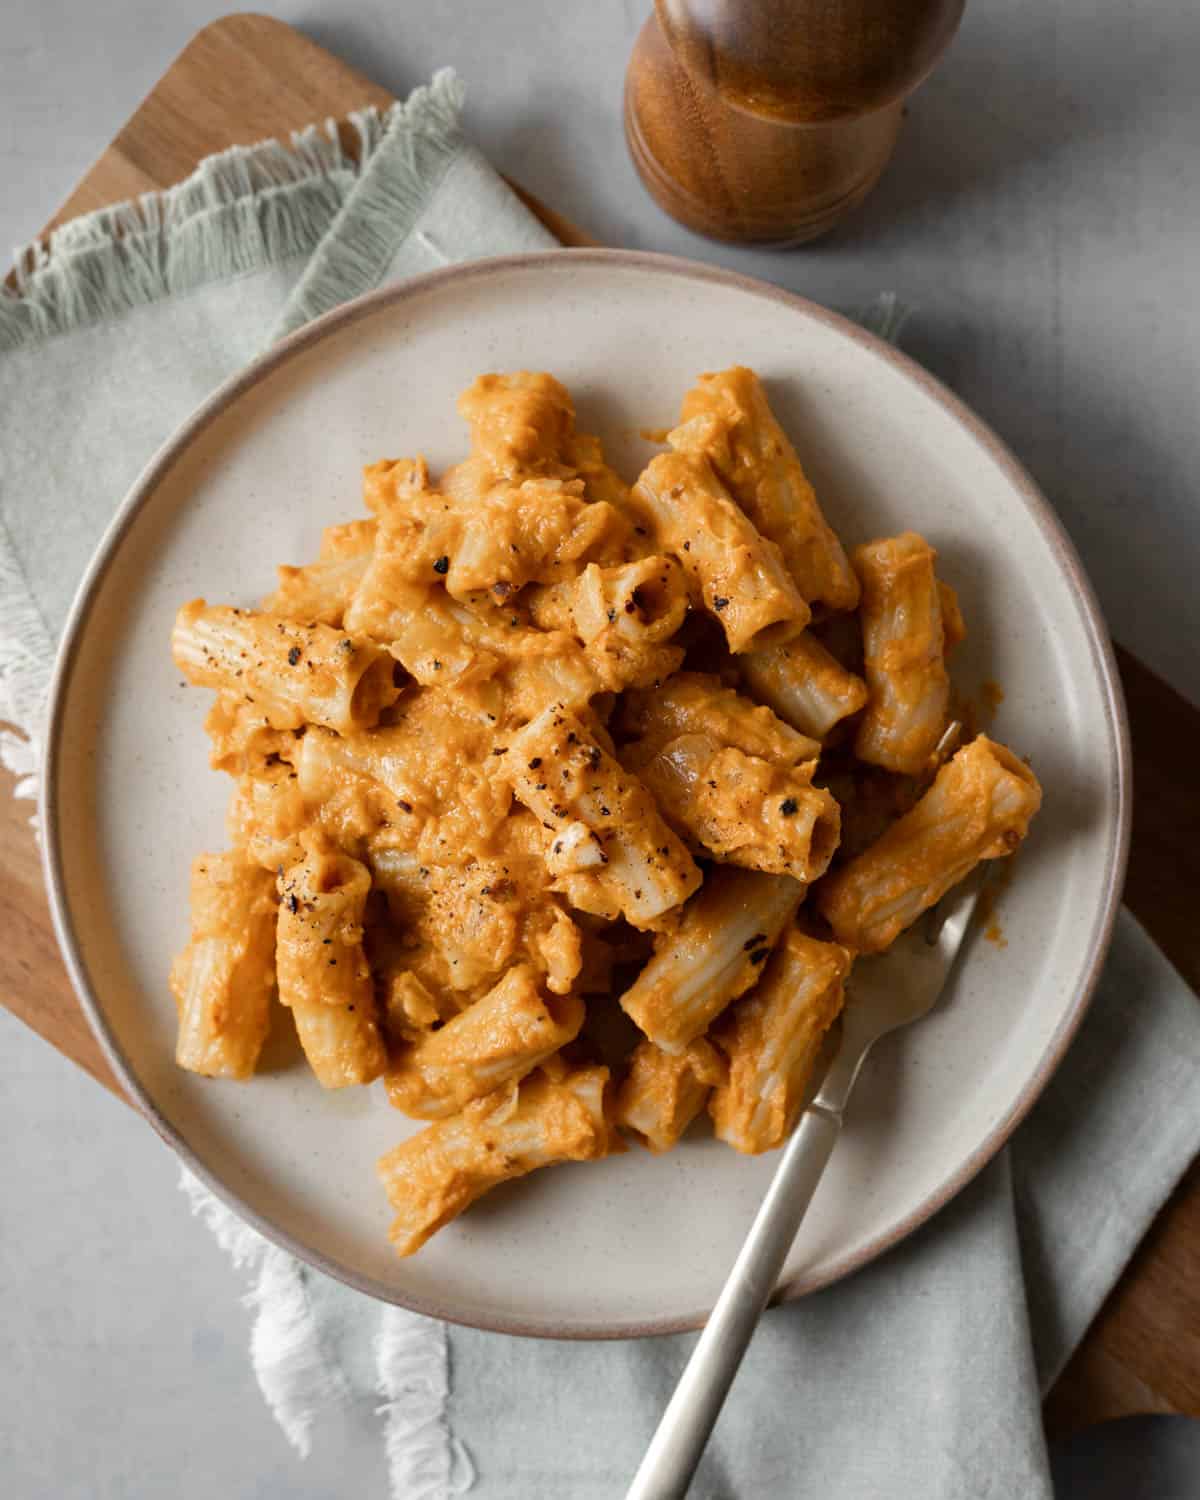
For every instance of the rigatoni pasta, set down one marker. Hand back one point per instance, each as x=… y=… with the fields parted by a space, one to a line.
x=506 y=1033
x=434 y=1175
x=979 y=807
x=737 y=574
x=528 y=744
x=771 y=1040
x=608 y=848
x=663 y=1092
x=223 y=979
x=625 y=615
x=804 y=683
x=297 y=674
x=904 y=648
x=323 y=975
x=727 y=418
x=731 y=778
x=712 y=954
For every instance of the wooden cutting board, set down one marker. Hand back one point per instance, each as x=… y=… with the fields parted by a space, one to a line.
x=248 y=77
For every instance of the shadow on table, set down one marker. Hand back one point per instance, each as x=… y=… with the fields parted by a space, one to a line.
x=1136 y=1458
x=1005 y=103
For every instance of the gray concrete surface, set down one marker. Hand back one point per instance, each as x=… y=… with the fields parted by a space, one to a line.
x=1042 y=214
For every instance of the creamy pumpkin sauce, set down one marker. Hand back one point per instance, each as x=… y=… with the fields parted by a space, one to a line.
x=480 y=766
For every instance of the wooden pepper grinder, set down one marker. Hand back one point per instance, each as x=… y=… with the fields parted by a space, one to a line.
x=766 y=121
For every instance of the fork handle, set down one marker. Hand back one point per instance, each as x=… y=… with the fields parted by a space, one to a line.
x=671 y=1459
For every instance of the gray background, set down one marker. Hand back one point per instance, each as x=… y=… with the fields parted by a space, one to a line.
x=1042 y=214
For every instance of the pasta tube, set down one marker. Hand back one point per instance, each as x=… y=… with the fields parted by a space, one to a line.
x=954 y=627
x=511 y=534
x=522 y=426
x=739 y=575
x=320 y=592
x=713 y=954
x=343 y=1046
x=726 y=417
x=699 y=703
x=520 y=423
x=295 y=673
x=442 y=642
x=609 y=850
x=323 y=973
x=601 y=483
x=805 y=685
x=389 y=484
x=731 y=778
x=532 y=532
x=243 y=739
x=267 y=816
x=499 y=1039
x=223 y=979
x=433 y=1176
x=624 y=614
x=979 y=807
x=771 y=1039
x=662 y=1094
x=904 y=645
x=348 y=539
x=408 y=1008
x=394 y=778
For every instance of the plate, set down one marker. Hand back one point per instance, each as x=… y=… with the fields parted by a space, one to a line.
x=636 y=1244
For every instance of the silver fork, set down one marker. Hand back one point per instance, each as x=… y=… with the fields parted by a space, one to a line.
x=884 y=993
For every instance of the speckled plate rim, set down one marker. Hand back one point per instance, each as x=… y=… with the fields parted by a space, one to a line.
x=1102 y=664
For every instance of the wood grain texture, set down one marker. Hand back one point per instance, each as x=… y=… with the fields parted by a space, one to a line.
x=243 y=79
x=753 y=122
x=248 y=77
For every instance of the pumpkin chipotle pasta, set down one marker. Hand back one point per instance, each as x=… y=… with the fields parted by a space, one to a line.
x=531 y=743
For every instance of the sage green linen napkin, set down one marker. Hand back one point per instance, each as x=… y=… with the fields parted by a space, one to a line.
x=920 y=1376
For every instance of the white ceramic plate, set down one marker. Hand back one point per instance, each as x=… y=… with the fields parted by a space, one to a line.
x=635 y=1244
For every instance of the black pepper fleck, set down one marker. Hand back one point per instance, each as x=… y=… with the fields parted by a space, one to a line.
x=442 y=565
x=720 y=602
x=293 y=656
x=789 y=807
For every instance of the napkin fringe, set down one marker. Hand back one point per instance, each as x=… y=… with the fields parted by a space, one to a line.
x=884 y=316
x=297 y=1378
x=240 y=210
x=26 y=664
x=300 y=1381
x=412 y=1359
x=412 y=148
